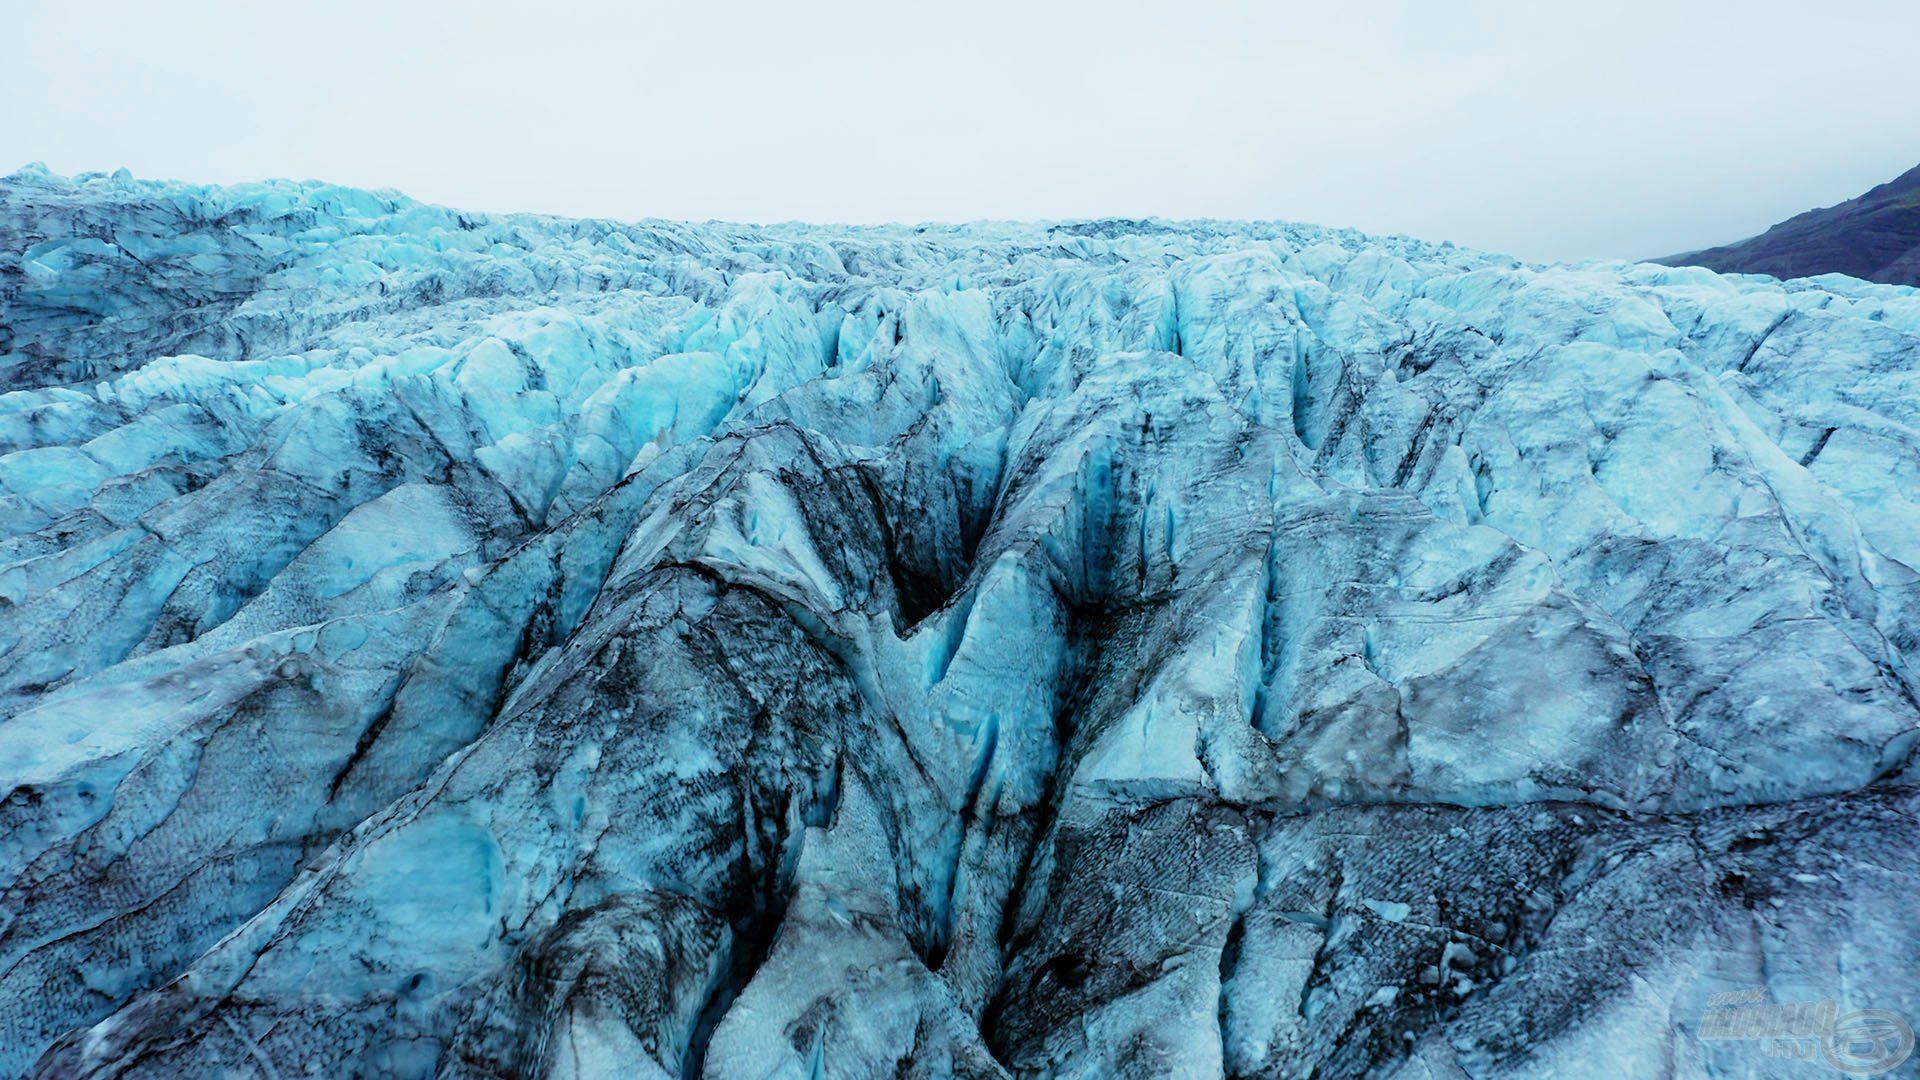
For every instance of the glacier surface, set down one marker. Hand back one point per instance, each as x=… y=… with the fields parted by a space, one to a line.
x=449 y=644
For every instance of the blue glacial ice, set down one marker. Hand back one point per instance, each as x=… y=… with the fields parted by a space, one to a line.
x=448 y=644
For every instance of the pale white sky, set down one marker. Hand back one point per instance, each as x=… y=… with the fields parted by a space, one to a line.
x=1606 y=129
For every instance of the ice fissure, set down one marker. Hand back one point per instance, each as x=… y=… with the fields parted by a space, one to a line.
x=462 y=645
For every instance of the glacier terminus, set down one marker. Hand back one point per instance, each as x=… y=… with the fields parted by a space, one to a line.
x=447 y=644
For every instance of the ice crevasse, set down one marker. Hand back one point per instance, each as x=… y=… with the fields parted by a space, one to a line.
x=451 y=644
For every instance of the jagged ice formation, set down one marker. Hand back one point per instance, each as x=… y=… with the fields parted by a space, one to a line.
x=435 y=643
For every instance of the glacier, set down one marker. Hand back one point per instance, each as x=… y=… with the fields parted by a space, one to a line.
x=436 y=643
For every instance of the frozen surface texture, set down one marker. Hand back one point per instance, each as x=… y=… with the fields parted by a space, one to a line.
x=433 y=643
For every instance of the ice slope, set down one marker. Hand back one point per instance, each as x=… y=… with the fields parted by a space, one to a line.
x=435 y=643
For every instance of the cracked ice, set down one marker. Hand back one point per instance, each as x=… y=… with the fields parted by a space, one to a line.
x=446 y=644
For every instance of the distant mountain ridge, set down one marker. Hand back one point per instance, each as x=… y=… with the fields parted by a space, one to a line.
x=1875 y=237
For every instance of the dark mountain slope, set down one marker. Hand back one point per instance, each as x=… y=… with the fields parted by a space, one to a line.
x=1875 y=237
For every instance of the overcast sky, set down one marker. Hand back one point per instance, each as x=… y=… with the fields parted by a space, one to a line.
x=1616 y=129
